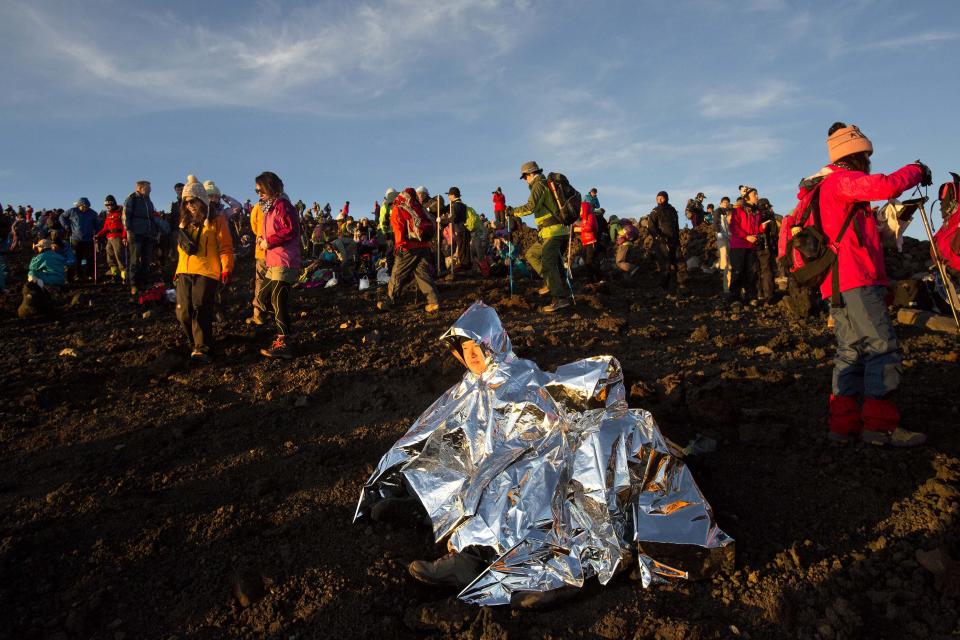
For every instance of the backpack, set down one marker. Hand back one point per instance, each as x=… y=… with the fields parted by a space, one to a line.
x=810 y=252
x=420 y=226
x=568 y=199
x=473 y=220
x=948 y=194
x=603 y=227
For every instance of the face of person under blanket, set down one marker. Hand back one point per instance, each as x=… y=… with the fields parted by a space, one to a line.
x=473 y=357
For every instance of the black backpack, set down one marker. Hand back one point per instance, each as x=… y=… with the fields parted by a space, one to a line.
x=814 y=247
x=568 y=199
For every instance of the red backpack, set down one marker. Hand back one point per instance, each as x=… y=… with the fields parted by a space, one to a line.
x=420 y=226
x=947 y=240
x=948 y=196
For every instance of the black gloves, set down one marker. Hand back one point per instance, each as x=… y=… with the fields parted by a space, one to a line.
x=927 y=179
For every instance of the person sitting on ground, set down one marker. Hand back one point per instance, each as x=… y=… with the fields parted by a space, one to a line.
x=627 y=255
x=48 y=268
x=346 y=249
x=205 y=259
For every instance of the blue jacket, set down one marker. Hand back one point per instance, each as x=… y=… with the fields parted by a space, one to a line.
x=49 y=267
x=594 y=200
x=66 y=252
x=82 y=225
x=138 y=216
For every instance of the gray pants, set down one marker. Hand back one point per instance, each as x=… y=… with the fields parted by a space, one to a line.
x=114 y=252
x=868 y=356
x=260 y=276
x=412 y=264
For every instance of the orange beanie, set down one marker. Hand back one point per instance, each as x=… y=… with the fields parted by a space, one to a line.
x=846 y=141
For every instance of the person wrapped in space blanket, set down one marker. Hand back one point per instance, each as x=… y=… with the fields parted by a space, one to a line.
x=539 y=481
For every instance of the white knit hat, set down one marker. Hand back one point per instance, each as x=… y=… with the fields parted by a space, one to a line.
x=193 y=189
x=211 y=188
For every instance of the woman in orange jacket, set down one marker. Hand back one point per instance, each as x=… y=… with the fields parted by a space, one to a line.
x=205 y=259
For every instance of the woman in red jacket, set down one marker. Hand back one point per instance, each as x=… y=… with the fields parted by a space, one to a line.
x=868 y=357
x=744 y=229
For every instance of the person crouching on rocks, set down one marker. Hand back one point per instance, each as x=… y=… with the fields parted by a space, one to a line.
x=45 y=275
x=868 y=360
x=205 y=259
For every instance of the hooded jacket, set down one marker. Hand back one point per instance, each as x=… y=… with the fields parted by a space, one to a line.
x=947 y=240
x=664 y=223
x=860 y=255
x=588 y=224
x=401 y=217
x=48 y=267
x=499 y=202
x=82 y=225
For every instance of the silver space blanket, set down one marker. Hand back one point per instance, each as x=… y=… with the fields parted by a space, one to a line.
x=551 y=474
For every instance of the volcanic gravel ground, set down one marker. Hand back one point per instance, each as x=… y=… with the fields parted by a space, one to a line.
x=145 y=498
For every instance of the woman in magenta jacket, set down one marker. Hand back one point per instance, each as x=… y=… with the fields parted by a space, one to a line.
x=744 y=229
x=279 y=238
x=868 y=361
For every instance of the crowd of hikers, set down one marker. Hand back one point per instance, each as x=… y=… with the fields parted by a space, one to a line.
x=825 y=255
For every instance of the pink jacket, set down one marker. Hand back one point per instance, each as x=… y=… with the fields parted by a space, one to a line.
x=860 y=255
x=744 y=223
x=281 y=230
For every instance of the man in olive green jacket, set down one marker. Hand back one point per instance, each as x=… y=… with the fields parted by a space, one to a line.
x=545 y=256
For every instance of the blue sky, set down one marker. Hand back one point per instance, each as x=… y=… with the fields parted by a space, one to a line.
x=345 y=99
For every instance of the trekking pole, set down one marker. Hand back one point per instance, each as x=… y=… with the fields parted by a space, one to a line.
x=936 y=258
x=510 y=257
x=94 y=259
x=453 y=237
x=438 y=236
x=569 y=272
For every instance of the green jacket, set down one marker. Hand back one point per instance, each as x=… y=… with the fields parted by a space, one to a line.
x=384 y=225
x=544 y=208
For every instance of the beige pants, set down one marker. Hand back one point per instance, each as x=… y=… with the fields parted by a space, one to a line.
x=724 y=265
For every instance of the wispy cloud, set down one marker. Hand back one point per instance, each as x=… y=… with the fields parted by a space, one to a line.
x=919 y=39
x=768 y=96
x=304 y=60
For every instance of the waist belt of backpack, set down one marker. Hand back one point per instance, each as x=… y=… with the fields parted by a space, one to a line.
x=835 y=299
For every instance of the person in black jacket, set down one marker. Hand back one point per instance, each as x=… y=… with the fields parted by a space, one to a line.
x=767 y=251
x=664 y=226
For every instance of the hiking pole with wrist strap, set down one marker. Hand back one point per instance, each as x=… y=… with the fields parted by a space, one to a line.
x=569 y=272
x=509 y=256
x=935 y=253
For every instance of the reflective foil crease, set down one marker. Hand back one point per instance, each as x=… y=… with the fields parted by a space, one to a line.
x=551 y=475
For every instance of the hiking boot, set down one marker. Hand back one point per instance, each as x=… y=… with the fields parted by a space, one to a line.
x=278 y=349
x=254 y=319
x=541 y=599
x=899 y=437
x=452 y=570
x=433 y=307
x=200 y=357
x=543 y=290
x=390 y=509
x=556 y=305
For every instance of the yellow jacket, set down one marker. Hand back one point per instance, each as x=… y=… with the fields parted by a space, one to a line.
x=256 y=224
x=214 y=250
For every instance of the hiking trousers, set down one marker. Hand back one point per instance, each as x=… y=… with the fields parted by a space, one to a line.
x=766 y=285
x=83 y=250
x=868 y=357
x=544 y=257
x=114 y=253
x=141 y=255
x=590 y=262
x=195 y=298
x=414 y=264
x=743 y=273
x=259 y=277
x=666 y=256
x=723 y=264
x=275 y=297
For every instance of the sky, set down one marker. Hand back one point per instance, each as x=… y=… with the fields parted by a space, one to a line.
x=345 y=99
